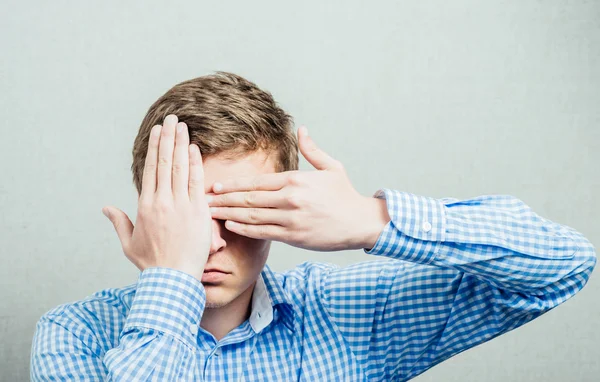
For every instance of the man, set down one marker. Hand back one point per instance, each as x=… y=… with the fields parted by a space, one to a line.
x=207 y=307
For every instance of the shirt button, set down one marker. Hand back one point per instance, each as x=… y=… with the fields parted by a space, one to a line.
x=194 y=329
x=427 y=226
x=218 y=352
x=258 y=315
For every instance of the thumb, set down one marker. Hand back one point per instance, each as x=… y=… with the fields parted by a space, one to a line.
x=314 y=155
x=121 y=222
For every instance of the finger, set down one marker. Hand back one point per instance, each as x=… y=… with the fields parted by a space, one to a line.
x=149 y=175
x=263 y=182
x=267 y=232
x=314 y=155
x=122 y=224
x=181 y=157
x=262 y=199
x=196 y=182
x=258 y=216
x=165 y=155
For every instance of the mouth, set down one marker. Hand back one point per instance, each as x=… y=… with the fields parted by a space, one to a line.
x=206 y=270
x=213 y=275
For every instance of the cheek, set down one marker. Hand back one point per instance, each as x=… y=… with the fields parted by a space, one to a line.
x=254 y=252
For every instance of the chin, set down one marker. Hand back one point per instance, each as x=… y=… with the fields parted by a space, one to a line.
x=215 y=305
x=217 y=297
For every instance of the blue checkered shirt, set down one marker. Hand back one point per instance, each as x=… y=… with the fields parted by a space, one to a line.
x=456 y=273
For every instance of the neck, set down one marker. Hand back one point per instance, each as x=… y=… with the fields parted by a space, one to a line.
x=220 y=321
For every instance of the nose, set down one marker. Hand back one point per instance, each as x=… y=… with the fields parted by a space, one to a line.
x=217 y=242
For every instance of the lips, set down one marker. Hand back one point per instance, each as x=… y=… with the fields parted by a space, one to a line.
x=214 y=275
x=206 y=270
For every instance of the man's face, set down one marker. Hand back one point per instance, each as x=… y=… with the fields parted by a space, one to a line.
x=243 y=257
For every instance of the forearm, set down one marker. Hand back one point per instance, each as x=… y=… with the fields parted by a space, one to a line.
x=495 y=237
x=161 y=325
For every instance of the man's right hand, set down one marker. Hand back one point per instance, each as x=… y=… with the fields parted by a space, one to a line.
x=173 y=225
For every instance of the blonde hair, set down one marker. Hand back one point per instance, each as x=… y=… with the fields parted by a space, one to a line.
x=225 y=114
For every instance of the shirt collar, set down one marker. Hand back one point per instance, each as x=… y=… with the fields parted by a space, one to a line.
x=270 y=301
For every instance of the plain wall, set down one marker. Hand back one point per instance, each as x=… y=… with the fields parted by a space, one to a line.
x=460 y=99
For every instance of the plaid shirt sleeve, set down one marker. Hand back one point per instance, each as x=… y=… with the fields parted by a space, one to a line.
x=157 y=340
x=471 y=270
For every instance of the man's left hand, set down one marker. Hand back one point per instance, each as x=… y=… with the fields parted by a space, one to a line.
x=318 y=210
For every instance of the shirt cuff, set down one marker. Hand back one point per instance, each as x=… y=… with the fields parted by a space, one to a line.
x=169 y=301
x=416 y=229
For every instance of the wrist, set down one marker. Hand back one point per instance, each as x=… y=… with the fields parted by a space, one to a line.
x=373 y=220
x=169 y=301
x=192 y=270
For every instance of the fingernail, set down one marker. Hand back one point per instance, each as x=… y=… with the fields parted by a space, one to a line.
x=170 y=119
x=209 y=198
x=218 y=187
x=106 y=213
x=213 y=210
x=179 y=127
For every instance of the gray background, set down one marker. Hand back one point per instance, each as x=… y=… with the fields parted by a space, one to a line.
x=437 y=98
